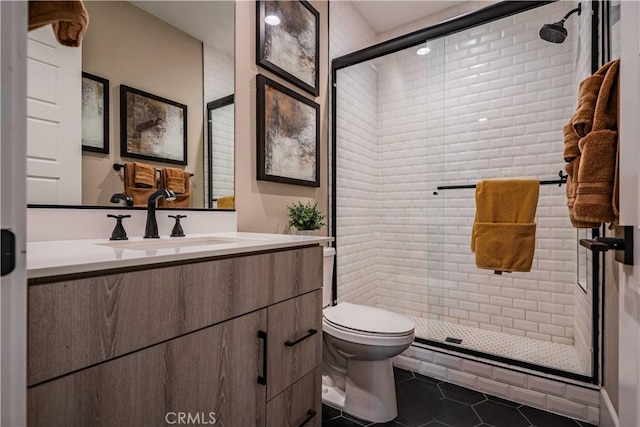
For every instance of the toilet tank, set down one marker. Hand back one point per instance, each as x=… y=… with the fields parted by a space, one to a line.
x=327 y=276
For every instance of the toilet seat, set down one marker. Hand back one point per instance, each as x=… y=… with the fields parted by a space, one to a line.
x=367 y=325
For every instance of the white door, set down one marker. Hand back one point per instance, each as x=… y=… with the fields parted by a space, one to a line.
x=13 y=286
x=54 y=109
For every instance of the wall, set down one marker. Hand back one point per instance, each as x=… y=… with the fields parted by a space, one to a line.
x=612 y=279
x=219 y=82
x=129 y=46
x=431 y=134
x=358 y=157
x=262 y=205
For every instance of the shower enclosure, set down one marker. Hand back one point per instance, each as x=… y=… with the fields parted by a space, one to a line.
x=416 y=122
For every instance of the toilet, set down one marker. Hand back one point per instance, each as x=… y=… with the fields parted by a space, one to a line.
x=358 y=345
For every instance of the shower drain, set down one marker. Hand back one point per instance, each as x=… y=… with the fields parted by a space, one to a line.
x=453 y=340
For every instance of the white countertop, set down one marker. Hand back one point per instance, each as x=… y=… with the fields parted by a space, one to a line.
x=55 y=258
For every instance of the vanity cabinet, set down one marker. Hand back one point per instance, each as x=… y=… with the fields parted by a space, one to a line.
x=226 y=339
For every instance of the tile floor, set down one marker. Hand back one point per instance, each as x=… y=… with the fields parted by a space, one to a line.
x=545 y=353
x=424 y=401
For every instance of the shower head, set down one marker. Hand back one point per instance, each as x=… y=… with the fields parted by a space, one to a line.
x=556 y=33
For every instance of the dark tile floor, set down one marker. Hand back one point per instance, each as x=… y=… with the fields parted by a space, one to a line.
x=424 y=401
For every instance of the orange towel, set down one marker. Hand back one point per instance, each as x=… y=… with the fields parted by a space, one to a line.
x=503 y=235
x=592 y=187
x=68 y=18
x=226 y=202
x=144 y=175
x=178 y=181
x=140 y=195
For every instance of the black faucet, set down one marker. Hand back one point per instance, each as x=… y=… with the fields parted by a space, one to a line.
x=128 y=201
x=151 y=228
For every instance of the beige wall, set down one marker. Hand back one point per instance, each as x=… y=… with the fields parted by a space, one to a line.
x=129 y=46
x=261 y=205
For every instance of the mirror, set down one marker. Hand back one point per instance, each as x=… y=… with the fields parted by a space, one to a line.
x=150 y=70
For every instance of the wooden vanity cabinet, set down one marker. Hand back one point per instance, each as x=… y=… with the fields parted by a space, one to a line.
x=226 y=342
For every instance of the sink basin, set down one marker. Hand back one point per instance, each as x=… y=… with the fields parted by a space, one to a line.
x=178 y=242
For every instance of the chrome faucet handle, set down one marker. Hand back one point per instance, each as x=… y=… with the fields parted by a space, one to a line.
x=118 y=232
x=177 y=228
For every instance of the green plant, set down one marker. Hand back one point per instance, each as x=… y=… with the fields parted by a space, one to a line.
x=304 y=216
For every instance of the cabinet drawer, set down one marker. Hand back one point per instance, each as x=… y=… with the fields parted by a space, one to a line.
x=78 y=323
x=299 y=405
x=209 y=374
x=294 y=349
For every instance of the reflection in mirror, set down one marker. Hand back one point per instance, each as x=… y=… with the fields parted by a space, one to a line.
x=220 y=172
x=181 y=51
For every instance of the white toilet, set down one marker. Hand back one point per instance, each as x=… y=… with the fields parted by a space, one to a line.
x=359 y=342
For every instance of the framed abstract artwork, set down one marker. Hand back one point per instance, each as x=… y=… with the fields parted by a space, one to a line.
x=287 y=41
x=151 y=127
x=288 y=135
x=95 y=114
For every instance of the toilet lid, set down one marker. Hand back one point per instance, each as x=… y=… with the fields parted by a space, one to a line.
x=367 y=319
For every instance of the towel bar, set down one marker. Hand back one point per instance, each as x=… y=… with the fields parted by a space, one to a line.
x=118 y=166
x=562 y=180
x=622 y=244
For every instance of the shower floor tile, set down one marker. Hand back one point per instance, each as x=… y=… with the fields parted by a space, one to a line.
x=545 y=353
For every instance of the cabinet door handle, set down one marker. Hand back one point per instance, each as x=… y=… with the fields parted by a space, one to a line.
x=263 y=379
x=310 y=414
x=311 y=333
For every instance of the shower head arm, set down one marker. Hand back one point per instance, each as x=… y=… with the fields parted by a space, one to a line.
x=577 y=9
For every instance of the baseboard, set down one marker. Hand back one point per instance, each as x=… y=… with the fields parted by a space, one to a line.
x=608 y=414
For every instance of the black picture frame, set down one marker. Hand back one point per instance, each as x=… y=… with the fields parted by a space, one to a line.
x=263 y=35
x=104 y=84
x=264 y=160
x=126 y=125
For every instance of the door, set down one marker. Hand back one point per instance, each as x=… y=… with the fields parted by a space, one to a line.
x=13 y=285
x=54 y=107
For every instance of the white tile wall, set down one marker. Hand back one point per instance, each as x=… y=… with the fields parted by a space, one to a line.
x=430 y=127
x=358 y=154
x=219 y=81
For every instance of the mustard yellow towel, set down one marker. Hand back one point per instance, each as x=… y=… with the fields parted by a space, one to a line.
x=139 y=195
x=226 y=202
x=68 y=18
x=144 y=175
x=503 y=235
x=178 y=181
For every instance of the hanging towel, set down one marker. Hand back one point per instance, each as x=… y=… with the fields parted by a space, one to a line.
x=140 y=191
x=591 y=151
x=226 y=202
x=178 y=181
x=68 y=18
x=144 y=175
x=503 y=235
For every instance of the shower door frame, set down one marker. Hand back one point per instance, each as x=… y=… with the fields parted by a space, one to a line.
x=481 y=16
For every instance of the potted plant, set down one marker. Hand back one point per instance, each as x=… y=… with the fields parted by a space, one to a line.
x=305 y=217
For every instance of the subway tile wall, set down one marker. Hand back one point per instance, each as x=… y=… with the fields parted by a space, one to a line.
x=219 y=81
x=358 y=158
x=489 y=102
